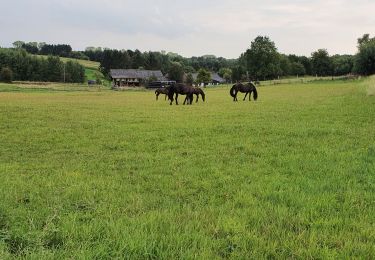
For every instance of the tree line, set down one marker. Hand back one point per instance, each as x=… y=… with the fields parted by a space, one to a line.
x=263 y=61
x=17 y=64
x=260 y=61
x=42 y=48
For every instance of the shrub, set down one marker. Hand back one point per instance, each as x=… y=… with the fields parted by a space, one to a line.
x=6 y=75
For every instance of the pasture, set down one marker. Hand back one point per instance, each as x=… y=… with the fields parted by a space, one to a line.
x=103 y=174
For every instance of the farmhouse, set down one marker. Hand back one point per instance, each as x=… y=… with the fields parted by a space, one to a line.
x=134 y=77
x=215 y=79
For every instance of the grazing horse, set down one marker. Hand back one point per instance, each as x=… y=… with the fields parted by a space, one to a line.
x=248 y=88
x=182 y=89
x=197 y=91
x=163 y=90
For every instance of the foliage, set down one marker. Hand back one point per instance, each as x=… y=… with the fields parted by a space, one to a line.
x=6 y=75
x=63 y=50
x=189 y=79
x=98 y=175
x=34 y=68
x=203 y=76
x=225 y=73
x=98 y=77
x=262 y=59
x=321 y=63
x=114 y=59
x=365 y=58
x=176 y=72
x=342 y=64
x=238 y=73
x=18 y=44
x=285 y=66
x=74 y=72
x=297 y=68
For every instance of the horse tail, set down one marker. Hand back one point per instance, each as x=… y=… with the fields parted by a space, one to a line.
x=232 y=91
x=255 y=95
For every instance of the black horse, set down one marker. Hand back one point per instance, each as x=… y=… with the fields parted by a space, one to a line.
x=159 y=91
x=197 y=91
x=248 y=88
x=182 y=89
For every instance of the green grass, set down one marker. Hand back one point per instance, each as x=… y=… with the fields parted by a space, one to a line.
x=89 y=174
x=85 y=63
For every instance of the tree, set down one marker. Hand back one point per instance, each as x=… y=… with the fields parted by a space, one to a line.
x=225 y=73
x=189 y=79
x=98 y=77
x=263 y=60
x=342 y=64
x=18 y=44
x=321 y=63
x=364 y=60
x=31 y=47
x=364 y=39
x=6 y=75
x=238 y=73
x=297 y=68
x=55 y=69
x=203 y=76
x=285 y=65
x=176 y=71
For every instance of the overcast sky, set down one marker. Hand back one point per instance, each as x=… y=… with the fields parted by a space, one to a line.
x=190 y=28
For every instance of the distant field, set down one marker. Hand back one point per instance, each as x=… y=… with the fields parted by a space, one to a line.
x=92 y=173
x=85 y=63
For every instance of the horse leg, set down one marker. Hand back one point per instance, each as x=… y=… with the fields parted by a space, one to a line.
x=249 y=96
x=157 y=95
x=197 y=98
x=176 y=98
x=186 y=99
x=245 y=96
x=165 y=97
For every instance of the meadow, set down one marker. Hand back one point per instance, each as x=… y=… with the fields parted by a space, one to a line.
x=93 y=173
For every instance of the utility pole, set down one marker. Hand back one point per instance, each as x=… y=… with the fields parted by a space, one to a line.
x=64 y=72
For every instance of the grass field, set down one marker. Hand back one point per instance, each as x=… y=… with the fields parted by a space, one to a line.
x=85 y=63
x=103 y=174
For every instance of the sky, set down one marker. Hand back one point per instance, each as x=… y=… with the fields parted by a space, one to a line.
x=224 y=28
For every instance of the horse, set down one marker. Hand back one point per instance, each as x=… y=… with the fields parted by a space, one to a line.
x=182 y=89
x=197 y=91
x=248 y=88
x=163 y=90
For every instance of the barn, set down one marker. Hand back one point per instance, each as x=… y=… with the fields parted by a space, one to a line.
x=134 y=77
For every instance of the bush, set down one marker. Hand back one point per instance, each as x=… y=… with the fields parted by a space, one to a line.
x=6 y=75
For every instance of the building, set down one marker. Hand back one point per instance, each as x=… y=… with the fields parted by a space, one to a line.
x=215 y=79
x=134 y=77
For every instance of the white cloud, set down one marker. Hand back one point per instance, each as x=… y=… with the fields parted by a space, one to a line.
x=222 y=27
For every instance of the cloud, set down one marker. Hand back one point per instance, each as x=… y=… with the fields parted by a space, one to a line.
x=222 y=27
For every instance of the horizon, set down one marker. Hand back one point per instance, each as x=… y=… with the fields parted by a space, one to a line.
x=220 y=28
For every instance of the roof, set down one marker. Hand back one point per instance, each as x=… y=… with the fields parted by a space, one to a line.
x=214 y=77
x=136 y=74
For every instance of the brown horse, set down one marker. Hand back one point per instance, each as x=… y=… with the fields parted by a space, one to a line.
x=163 y=90
x=197 y=91
x=248 y=88
x=182 y=89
